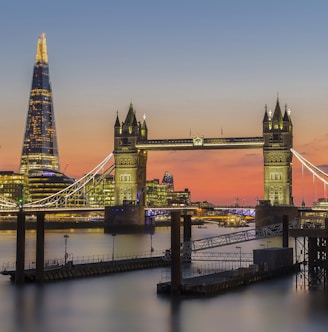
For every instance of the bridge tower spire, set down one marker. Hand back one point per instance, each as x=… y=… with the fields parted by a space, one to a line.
x=130 y=167
x=278 y=141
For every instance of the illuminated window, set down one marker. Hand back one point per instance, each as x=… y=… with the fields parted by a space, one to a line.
x=125 y=177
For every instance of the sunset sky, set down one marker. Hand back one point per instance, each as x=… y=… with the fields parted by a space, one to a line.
x=193 y=67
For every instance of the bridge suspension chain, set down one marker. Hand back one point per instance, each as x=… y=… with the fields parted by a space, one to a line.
x=6 y=203
x=317 y=172
x=61 y=198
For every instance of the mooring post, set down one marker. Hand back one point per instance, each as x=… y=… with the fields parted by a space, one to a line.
x=175 y=253
x=39 y=268
x=285 y=223
x=20 y=248
x=186 y=238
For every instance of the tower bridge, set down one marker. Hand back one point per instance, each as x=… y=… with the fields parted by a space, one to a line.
x=131 y=147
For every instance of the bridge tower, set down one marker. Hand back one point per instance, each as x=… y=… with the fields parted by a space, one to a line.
x=278 y=140
x=130 y=163
x=130 y=172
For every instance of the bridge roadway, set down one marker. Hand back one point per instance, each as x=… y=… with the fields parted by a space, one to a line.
x=51 y=210
x=201 y=143
x=54 y=210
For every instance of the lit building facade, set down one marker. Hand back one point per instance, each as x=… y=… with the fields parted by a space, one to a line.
x=179 y=198
x=12 y=185
x=40 y=140
x=162 y=194
x=157 y=193
x=315 y=216
x=100 y=193
x=43 y=183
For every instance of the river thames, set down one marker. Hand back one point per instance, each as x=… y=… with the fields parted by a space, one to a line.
x=128 y=302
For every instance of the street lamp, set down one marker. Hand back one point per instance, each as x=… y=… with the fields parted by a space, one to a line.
x=66 y=254
x=237 y=247
x=113 y=246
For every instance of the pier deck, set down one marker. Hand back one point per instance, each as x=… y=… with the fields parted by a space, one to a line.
x=216 y=283
x=71 y=271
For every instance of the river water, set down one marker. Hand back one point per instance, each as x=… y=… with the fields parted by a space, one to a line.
x=128 y=302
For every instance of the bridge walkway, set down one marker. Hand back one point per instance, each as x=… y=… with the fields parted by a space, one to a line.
x=234 y=238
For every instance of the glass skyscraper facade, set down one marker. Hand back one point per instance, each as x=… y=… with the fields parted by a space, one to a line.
x=40 y=140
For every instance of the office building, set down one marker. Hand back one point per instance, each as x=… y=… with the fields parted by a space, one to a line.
x=40 y=140
x=11 y=185
x=100 y=191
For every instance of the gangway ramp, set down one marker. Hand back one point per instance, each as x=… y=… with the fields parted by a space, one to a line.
x=235 y=237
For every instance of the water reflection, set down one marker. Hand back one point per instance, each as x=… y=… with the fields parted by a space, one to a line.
x=129 y=302
x=175 y=314
x=28 y=308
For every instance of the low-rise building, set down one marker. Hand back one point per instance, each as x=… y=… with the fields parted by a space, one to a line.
x=11 y=185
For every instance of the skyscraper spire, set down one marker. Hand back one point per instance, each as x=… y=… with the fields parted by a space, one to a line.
x=40 y=140
x=41 y=49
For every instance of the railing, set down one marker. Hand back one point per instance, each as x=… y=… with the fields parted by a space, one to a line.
x=117 y=256
x=59 y=262
x=222 y=256
x=206 y=269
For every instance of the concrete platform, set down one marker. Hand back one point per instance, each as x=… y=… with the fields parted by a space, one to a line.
x=218 y=283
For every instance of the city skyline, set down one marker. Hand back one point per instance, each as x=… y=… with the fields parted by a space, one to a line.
x=193 y=69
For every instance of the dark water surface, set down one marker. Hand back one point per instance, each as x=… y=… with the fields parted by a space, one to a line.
x=129 y=302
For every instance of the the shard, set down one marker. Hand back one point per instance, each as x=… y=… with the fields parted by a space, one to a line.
x=40 y=140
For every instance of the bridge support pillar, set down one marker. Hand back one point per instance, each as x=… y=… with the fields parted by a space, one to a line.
x=175 y=253
x=186 y=238
x=20 y=248
x=124 y=219
x=266 y=214
x=285 y=221
x=40 y=247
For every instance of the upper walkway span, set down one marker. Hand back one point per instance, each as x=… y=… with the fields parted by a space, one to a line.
x=200 y=142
